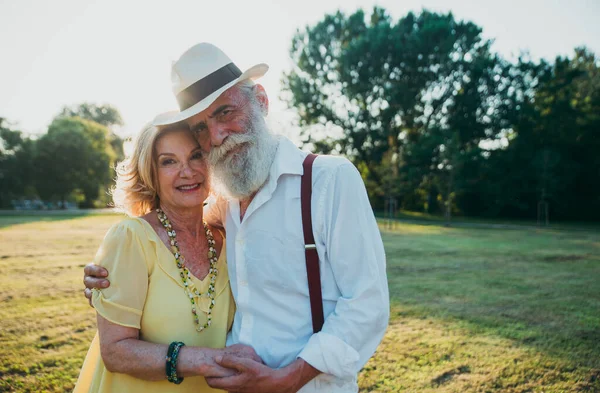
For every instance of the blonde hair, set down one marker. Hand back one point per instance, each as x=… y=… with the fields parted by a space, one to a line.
x=136 y=189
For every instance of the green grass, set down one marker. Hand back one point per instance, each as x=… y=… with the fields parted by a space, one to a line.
x=473 y=310
x=458 y=220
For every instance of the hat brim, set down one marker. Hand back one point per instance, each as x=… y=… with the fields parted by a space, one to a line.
x=175 y=117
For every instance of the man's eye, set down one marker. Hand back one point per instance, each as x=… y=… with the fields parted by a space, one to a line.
x=225 y=113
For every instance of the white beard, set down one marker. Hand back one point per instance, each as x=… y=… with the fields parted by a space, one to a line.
x=242 y=173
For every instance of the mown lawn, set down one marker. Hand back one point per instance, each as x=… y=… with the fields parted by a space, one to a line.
x=473 y=310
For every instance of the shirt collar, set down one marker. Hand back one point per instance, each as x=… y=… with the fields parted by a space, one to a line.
x=288 y=160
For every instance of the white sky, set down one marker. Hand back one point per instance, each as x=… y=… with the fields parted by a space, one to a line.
x=64 y=52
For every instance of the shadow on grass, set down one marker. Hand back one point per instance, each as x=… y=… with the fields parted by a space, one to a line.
x=536 y=288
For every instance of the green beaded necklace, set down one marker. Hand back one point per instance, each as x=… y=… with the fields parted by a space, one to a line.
x=184 y=273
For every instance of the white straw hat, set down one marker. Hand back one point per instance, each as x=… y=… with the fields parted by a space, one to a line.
x=200 y=76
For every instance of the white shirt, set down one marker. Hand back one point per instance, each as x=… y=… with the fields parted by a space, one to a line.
x=267 y=270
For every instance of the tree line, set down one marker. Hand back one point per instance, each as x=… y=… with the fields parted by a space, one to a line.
x=72 y=162
x=438 y=122
x=434 y=120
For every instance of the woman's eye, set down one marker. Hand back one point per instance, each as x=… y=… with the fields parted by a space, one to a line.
x=168 y=161
x=197 y=155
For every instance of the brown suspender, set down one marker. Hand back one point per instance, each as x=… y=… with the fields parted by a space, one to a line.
x=310 y=248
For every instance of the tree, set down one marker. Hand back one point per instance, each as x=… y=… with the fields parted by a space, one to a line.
x=16 y=165
x=74 y=154
x=431 y=116
x=386 y=86
x=106 y=115
x=558 y=136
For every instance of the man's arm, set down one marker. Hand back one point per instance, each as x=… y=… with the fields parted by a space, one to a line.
x=347 y=232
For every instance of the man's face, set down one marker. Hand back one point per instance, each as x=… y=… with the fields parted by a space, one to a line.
x=238 y=145
x=228 y=115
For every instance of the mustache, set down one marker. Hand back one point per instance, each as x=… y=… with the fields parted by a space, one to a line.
x=218 y=153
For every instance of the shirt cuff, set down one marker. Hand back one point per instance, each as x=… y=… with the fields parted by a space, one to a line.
x=330 y=355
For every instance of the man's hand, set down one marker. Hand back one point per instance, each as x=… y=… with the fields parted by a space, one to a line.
x=251 y=377
x=256 y=377
x=94 y=277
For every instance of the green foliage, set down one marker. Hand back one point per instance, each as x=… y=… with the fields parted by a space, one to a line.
x=16 y=167
x=75 y=154
x=106 y=115
x=432 y=117
x=385 y=84
x=553 y=151
x=73 y=161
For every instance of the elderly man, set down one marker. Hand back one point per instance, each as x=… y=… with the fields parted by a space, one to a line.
x=258 y=176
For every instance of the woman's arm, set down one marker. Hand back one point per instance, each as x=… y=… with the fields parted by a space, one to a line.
x=123 y=352
x=119 y=310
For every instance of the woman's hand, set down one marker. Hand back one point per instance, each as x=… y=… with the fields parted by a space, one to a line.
x=242 y=351
x=202 y=361
x=208 y=360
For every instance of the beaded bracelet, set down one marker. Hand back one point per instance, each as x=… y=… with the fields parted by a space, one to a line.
x=172 y=355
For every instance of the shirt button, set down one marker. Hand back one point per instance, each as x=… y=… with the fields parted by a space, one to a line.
x=244 y=283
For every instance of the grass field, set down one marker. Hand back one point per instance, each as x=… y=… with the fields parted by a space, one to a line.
x=473 y=310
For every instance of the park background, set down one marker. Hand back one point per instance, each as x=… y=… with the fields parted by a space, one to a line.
x=475 y=125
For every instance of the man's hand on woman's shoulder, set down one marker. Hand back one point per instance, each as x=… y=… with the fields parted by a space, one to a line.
x=94 y=276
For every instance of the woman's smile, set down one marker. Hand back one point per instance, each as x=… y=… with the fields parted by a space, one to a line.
x=188 y=187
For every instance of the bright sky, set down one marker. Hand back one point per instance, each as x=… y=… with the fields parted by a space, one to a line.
x=65 y=52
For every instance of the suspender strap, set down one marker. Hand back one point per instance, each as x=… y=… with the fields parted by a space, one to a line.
x=310 y=249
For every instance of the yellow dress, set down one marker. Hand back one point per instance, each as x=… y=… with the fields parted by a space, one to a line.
x=147 y=293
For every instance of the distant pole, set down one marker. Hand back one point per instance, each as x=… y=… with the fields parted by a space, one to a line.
x=543 y=218
x=386 y=212
x=543 y=214
x=449 y=200
x=391 y=205
x=393 y=210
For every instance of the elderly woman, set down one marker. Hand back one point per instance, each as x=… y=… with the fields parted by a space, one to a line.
x=169 y=306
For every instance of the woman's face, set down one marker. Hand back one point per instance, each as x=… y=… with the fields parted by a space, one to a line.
x=183 y=180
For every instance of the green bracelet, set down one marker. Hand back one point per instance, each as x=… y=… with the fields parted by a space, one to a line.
x=172 y=355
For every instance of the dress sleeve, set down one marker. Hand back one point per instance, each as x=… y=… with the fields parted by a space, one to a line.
x=122 y=253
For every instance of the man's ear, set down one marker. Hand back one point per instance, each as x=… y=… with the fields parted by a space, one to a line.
x=261 y=96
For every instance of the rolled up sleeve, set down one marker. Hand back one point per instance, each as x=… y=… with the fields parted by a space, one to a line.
x=353 y=246
x=122 y=254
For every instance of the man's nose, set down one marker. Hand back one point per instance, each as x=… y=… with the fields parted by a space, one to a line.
x=217 y=134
